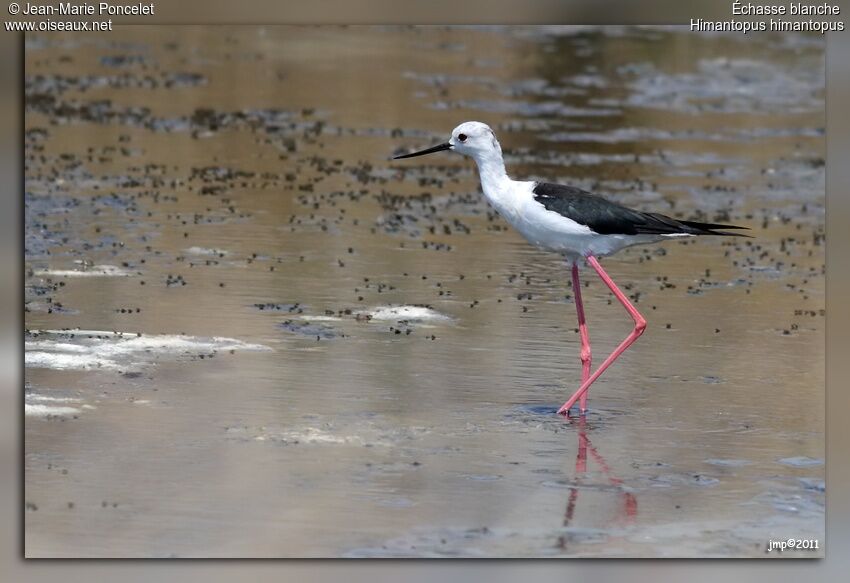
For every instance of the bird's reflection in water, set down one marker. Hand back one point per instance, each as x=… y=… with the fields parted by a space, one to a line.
x=627 y=508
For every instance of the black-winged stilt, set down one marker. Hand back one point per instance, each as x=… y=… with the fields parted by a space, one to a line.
x=570 y=221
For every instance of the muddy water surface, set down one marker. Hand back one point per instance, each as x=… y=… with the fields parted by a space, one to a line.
x=251 y=334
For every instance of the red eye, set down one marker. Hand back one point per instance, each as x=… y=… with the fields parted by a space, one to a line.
x=461 y=137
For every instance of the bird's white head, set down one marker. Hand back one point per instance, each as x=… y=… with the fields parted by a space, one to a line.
x=471 y=138
x=475 y=139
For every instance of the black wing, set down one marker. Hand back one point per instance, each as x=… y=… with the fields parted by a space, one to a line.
x=609 y=218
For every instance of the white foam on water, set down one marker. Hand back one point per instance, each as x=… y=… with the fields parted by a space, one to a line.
x=800 y=461
x=307 y=435
x=93 y=271
x=51 y=356
x=98 y=349
x=319 y=318
x=206 y=251
x=34 y=397
x=410 y=313
x=36 y=405
x=37 y=410
x=356 y=434
x=314 y=435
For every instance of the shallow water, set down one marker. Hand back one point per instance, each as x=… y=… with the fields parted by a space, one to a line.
x=250 y=334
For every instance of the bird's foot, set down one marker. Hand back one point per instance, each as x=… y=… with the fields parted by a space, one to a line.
x=565 y=412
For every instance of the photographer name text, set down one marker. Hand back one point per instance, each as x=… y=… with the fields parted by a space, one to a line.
x=99 y=9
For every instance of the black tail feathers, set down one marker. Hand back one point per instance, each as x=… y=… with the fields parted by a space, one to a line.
x=712 y=229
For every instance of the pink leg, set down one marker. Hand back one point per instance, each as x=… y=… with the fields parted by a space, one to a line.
x=585 y=339
x=640 y=326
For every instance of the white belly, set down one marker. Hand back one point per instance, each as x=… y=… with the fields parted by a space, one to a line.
x=553 y=232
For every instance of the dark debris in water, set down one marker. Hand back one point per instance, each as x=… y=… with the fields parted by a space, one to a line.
x=124 y=60
x=310 y=330
x=678 y=480
x=38 y=86
x=296 y=308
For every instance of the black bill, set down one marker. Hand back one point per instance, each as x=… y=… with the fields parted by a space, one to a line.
x=440 y=148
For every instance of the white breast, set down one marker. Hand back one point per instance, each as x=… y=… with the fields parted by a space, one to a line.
x=548 y=230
